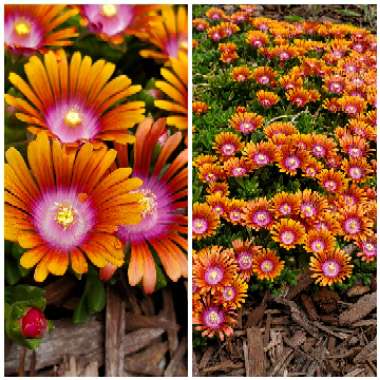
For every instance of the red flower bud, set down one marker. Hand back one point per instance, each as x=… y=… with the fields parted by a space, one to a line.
x=107 y=272
x=33 y=323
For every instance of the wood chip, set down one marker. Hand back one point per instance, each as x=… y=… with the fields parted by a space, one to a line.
x=176 y=359
x=256 y=358
x=359 y=310
x=136 y=340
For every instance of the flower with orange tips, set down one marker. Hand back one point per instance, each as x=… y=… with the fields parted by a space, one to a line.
x=260 y=154
x=357 y=169
x=312 y=168
x=244 y=253
x=215 y=33
x=334 y=84
x=285 y=204
x=228 y=52
x=257 y=39
x=313 y=204
x=213 y=268
x=228 y=28
x=290 y=159
x=175 y=87
x=220 y=188
x=241 y=74
x=354 y=223
x=205 y=221
x=258 y=214
x=288 y=233
x=62 y=208
x=215 y=14
x=352 y=105
x=321 y=146
x=235 y=211
x=359 y=127
x=354 y=146
x=246 y=122
x=327 y=221
x=199 y=108
x=233 y=295
x=352 y=196
x=267 y=99
x=264 y=75
x=332 y=105
x=31 y=28
x=218 y=203
x=211 y=173
x=227 y=144
x=267 y=265
x=300 y=96
x=332 y=181
x=290 y=82
x=331 y=267
x=204 y=159
x=112 y=22
x=75 y=101
x=239 y=17
x=367 y=246
x=280 y=128
x=167 y=33
x=200 y=24
x=318 y=241
x=164 y=196
x=237 y=167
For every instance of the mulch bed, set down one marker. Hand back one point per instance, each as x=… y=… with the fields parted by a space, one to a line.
x=298 y=334
x=135 y=336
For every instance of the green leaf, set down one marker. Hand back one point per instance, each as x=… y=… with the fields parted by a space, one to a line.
x=96 y=294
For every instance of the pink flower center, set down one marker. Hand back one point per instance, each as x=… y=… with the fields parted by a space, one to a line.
x=228 y=149
x=330 y=185
x=235 y=215
x=292 y=162
x=266 y=266
x=199 y=225
x=355 y=172
x=261 y=159
x=244 y=260
x=308 y=209
x=213 y=318
x=246 y=127
x=264 y=79
x=287 y=237
x=261 y=218
x=351 y=109
x=213 y=275
x=318 y=245
x=257 y=43
x=319 y=151
x=285 y=209
x=335 y=87
x=355 y=152
x=330 y=268
x=369 y=249
x=229 y=293
x=238 y=172
x=352 y=225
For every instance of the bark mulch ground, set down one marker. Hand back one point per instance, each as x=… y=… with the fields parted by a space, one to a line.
x=135 y=336
x=298 y=334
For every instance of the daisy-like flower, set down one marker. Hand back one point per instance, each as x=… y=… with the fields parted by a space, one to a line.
x=213 y=268
x=228 y=28
x=267 y=99
x=214 y=320
x=352 y=105
x=112 y=22
x=241 y=74
x=354 y=223
x=164 y=193
x=357 y=169
x=260 y=154
x=229 y=56
x=36 y=28
x=65 y=208
x=288 y=233
x=352 y=196
x=227 y=144
x=361 y=128
x=331 y=267
x=237 y=167
x=285 y=204
x=244 y=253
x=233 y=295
x=75 y=101
x=332 y=105
x=199 y=108
x=246 y=122
x=354 y=146
x=211 y=173
x=258 y=214
x=327 y=221
x=267 y=265
x=168 y=34
x=368 y=251
x=332 y=181
x=312 y=168
x=264 y=75
x=279 y=128
x=204 y=159
x=235 y=211
x=205 y=221
x=290 y=159
x=200 y=24
x=218 y=203
x=300 y=96
x=290 y=82
x=220 y=188
x=318 y=241
x=321 y=146
x=216 y=14
x=313 y=204
x=257 y=39
x=175 y=87
x=215 y=33
x=334 y=84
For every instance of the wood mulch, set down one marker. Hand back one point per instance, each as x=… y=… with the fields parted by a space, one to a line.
x=298 y=334
x=135 y=336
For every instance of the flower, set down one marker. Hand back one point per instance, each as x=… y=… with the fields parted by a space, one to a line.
x=257 y=39
x=33 y=324
x=233 y=295
x=63 y=207
x=354 y=146
x=168 y=34
x=318 y=241
x=330 y=267
x=313 y=204
x=73 y=101
x=300 y=96
x=257 y=214
x=352 y=105
x=205 y=221
x=354 y=223
x=236 y=167
x=164 y=191
x=260 y=154
x=267 y=265
x=199 y=108
x=357 y=169
x=267 y=98
x=175 y=87
x=220 y=188
x=112 y=22
x=227 y=144
x=279 y=128
x=211 y=173
x=288 y=233
x=235 y=211
x=213 y=269
x=285 y=204
x=241 y=74
x=332 y=181
x=33 y=28
x=215 y=14
x=200 y=24
x=368 y=251
x=290 y=159
x=246 y=122
x=218 y=203
x=244 y=252
x=264 y=75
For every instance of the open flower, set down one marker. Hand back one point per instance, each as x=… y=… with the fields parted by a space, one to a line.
x=241 y=74
x=330 y=267
x=237 y=167
x=246 y=122
x=264 y=75
x=235 y=211
x=318 y=241
x=199 y=108
x=258 y=214
x=357 y=169
x=36 y=28
x=257 y=39
x=267 y=265
x=227 y=144
x=312 y=204
x=260 y=154
x=288 y=233
x=285 y=204
x=164 y=192
x=354 y=223
x=175 y=87
x=205 y=221
x=233 y=295
x=367 y=245
x=75 y=101
x=267 y=99
x=290 y=159
x=218 y=203
x=333 y=181
x=62 y=208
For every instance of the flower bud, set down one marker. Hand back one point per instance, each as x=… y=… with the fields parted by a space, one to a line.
x=33 y=323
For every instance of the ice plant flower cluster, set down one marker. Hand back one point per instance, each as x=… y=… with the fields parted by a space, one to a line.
x=97 y=184
x=284 y=155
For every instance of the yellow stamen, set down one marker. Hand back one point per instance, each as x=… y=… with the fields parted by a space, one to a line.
x=213 y=316
x=22 y=28
x=65 y=216
x=72 y=118
x=109 y=10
